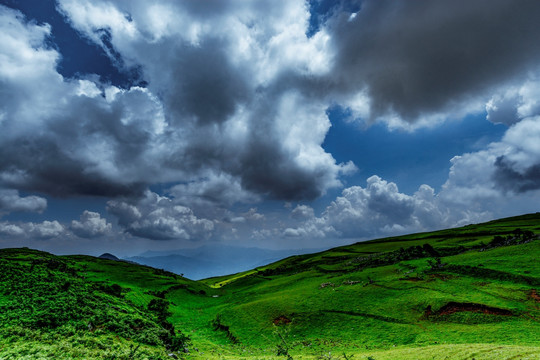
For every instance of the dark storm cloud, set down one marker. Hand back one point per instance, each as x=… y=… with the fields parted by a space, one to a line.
x=205 y=85
x=508 y=178
x=261 y=161
x=120 y=123
x=261 y=164
x=421 y=57
x=266 y=170
x=41 y=165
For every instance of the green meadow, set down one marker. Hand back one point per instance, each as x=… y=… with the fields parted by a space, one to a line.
x=465 y=293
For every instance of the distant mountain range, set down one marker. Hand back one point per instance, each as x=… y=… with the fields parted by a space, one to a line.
x=208 y=261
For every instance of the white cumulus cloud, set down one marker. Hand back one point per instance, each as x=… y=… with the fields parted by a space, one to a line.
x=45 y=230
x=91 y=225
x=10 y=201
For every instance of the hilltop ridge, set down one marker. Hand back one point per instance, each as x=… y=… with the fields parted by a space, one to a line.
x=108 y=256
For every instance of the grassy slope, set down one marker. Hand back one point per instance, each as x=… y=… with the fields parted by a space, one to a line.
x=377 y=308
x=81 y=307
x=367 y=299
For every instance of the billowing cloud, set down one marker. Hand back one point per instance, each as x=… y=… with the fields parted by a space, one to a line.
x=231 y=108
x=159 y=218
x=250 y=119
x=91 y=225
x=42 y=231
x=46 y=229
x=515 y=103
x=367 y=209
x=11 y=230
x=517 y=167
x=301 y=212
x=213 y=191
x=10 y=200
x=256 y=122
x=380 y=209
x=509 y=178
x=506 y=172
x=84 y=138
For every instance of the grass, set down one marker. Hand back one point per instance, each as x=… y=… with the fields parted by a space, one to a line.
x=382 y=299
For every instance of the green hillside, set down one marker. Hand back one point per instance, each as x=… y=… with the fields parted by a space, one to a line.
x=472 y=292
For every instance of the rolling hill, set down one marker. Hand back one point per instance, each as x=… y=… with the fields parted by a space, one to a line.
x=471 y=292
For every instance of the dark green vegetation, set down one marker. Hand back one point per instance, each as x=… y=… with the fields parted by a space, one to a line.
x=472 y=292
x=57 y=306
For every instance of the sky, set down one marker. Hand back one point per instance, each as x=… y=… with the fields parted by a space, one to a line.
x=128 y=126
